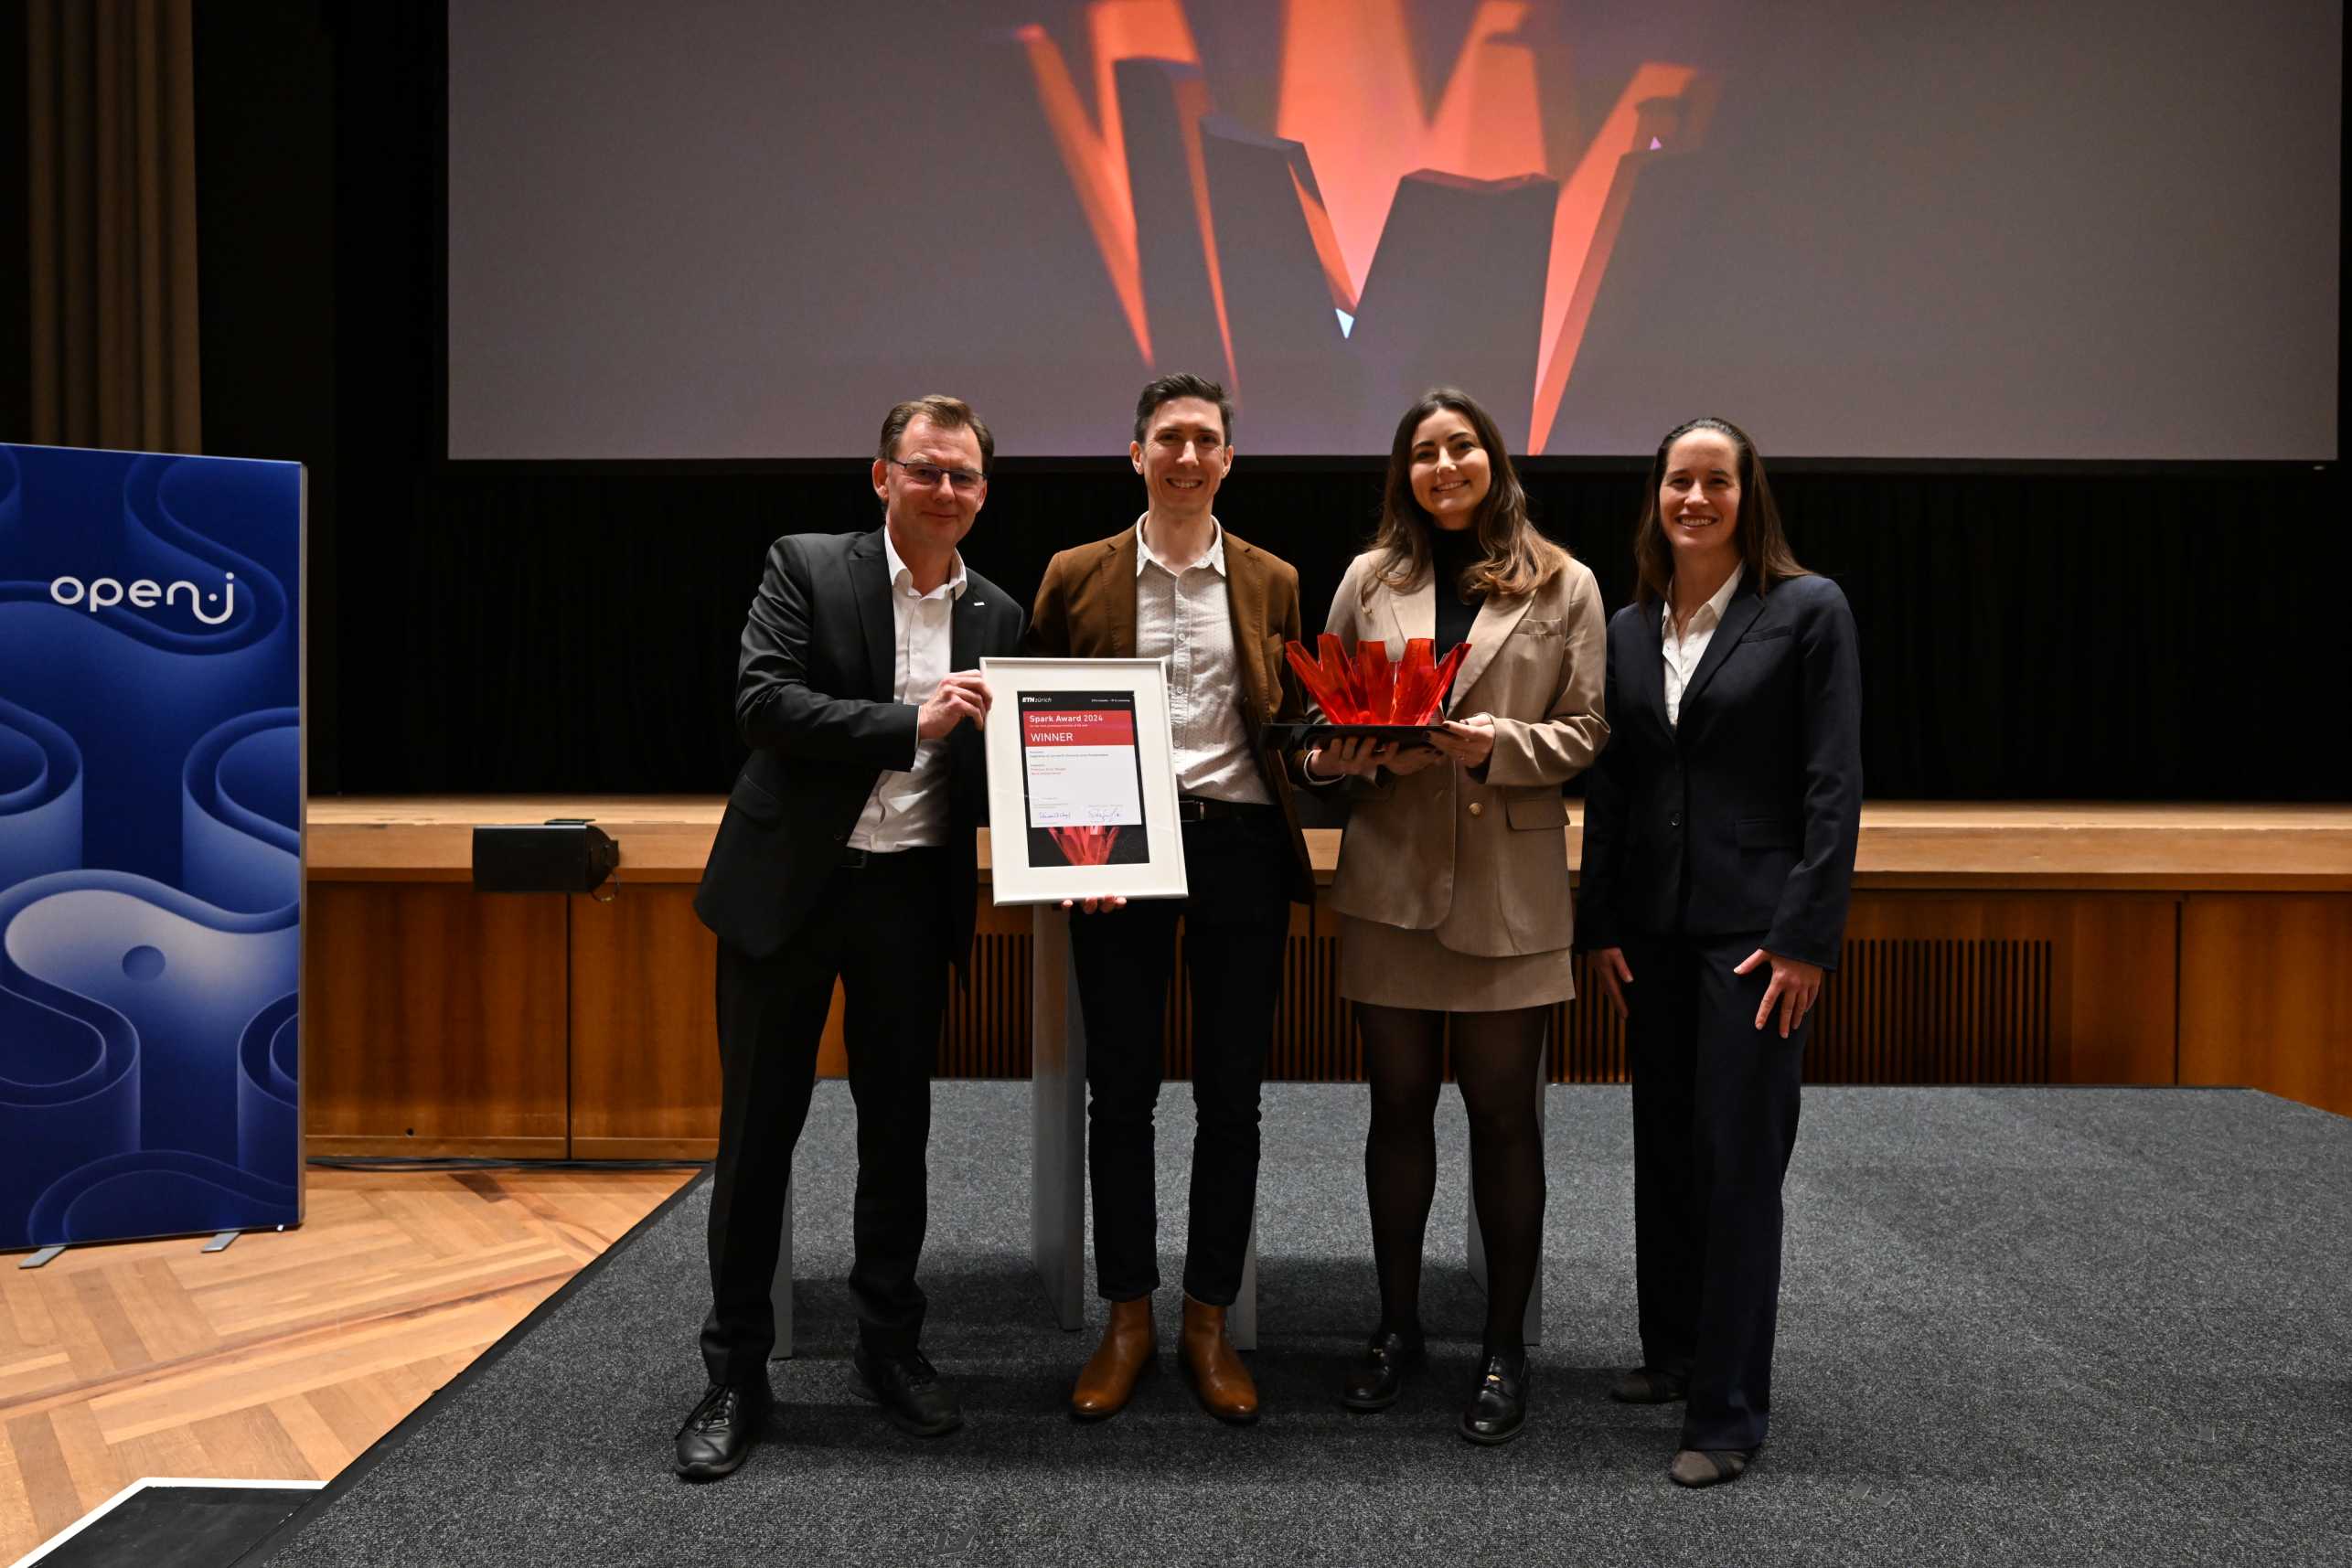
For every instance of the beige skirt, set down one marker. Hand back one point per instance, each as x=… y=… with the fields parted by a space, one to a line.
x=1390 y=966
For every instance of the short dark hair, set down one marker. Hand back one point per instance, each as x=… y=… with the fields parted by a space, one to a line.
x=947 y=412
x=1168 y=388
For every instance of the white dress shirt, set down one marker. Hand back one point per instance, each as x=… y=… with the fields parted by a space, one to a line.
x=908 y=810
x=1186 y=618
x=1684 y=652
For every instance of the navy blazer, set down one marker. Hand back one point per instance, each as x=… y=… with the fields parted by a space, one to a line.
x=1745 y=817
x=813 y=701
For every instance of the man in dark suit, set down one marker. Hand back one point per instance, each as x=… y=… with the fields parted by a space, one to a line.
x=846 y=853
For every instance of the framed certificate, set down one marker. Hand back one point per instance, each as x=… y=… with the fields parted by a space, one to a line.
x=1082 y=780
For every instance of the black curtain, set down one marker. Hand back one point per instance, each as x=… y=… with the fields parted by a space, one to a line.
x=16 y=233
x=2065 y=632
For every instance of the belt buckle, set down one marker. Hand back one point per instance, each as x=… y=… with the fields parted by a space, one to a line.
x=1190 y=810
x=854 y=859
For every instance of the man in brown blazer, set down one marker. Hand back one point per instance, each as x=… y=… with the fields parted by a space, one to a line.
x=1177 y=587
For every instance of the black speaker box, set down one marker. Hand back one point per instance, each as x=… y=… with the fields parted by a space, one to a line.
x=561 y=856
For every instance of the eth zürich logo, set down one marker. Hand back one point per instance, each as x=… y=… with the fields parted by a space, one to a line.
x=145 y=594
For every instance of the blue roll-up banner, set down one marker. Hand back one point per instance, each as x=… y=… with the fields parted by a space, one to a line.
x=151 y=817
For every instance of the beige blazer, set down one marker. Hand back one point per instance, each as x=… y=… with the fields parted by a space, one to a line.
x=1481 y=856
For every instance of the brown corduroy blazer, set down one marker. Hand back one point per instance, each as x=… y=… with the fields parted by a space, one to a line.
x=1086 y=608
x=1479 y=856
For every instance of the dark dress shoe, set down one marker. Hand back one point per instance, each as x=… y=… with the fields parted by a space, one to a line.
x=1378 y=1377
x=909 y=1391
x=1497 y=1410
x=720 y=1432
x=1709 y=1466
x=1646 y=1385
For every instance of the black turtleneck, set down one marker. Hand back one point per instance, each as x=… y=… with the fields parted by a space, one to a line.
x=1453 y=553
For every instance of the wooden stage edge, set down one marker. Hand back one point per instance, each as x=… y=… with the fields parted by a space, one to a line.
x=2004 y=943
x=2076 y=846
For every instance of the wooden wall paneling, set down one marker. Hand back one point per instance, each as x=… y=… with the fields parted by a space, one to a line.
x=2119 y=991
x=1314 y=1038
x=987 y=1029
x=1588 y=1037
x=1959 y=987
x=433 y=1021
x=2266 y=995
x=644 y=1033
x=1996 y=944
x=1176 y=1039
x=1933 y=989
x=1912 y=1010
x=644 y=1027
x=832 y=1054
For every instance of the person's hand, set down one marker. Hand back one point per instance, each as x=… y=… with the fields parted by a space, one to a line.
x=962 y=695
x=1364 y=756
x=1356 y=755
x=1609 y=968
x=1469 y=742
x=1095 y=906
x=1795 y=984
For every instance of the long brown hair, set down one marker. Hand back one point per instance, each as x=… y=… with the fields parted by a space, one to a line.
x=1514 y=560
x=1762 y=545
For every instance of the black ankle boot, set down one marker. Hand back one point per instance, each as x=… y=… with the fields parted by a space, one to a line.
x=1497 y=1410
x=1378 y=1375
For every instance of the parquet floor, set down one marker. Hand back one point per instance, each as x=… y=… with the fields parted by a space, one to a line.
x=285 y=1355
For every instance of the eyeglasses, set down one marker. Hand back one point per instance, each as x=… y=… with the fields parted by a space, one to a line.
x=928 y=474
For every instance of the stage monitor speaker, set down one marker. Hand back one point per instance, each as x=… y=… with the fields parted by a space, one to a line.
x=568 y=855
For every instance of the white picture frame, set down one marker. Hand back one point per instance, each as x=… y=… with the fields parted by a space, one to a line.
x=1078 y=750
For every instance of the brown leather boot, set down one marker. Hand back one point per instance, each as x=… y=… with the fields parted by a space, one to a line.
x=1218 y=1376
x=1128 y=1349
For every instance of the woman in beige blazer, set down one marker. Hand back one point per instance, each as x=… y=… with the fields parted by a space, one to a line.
x=1452 y=888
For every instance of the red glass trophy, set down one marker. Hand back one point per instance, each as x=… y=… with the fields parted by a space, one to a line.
x=1367 y=695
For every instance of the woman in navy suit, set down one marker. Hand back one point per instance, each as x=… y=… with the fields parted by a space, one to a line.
x=1718 y=854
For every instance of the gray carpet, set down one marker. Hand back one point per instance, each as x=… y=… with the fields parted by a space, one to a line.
x=2018 y=1326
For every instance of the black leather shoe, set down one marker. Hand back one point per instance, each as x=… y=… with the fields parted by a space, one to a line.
x=1378 y=1376
x=1497 y=1410
x=909 y=1391
x=1647 y=1386
x=1709 y=1466
x=720 y=1432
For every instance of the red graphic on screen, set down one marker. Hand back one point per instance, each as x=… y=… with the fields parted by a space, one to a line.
x=1351 y=121
x=1085 y=846
x=1367 y=689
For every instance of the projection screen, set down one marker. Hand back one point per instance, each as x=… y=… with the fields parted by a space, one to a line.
x=2087 y=230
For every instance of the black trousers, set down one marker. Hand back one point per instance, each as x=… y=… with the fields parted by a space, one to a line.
x=1714 y=1118
x=882 y=929
x=1237 y=923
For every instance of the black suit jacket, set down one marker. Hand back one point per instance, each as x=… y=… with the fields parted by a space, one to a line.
x=1745 y=817
x=813 y=701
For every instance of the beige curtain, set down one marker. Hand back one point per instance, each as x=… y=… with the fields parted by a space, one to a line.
x=109 y=96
